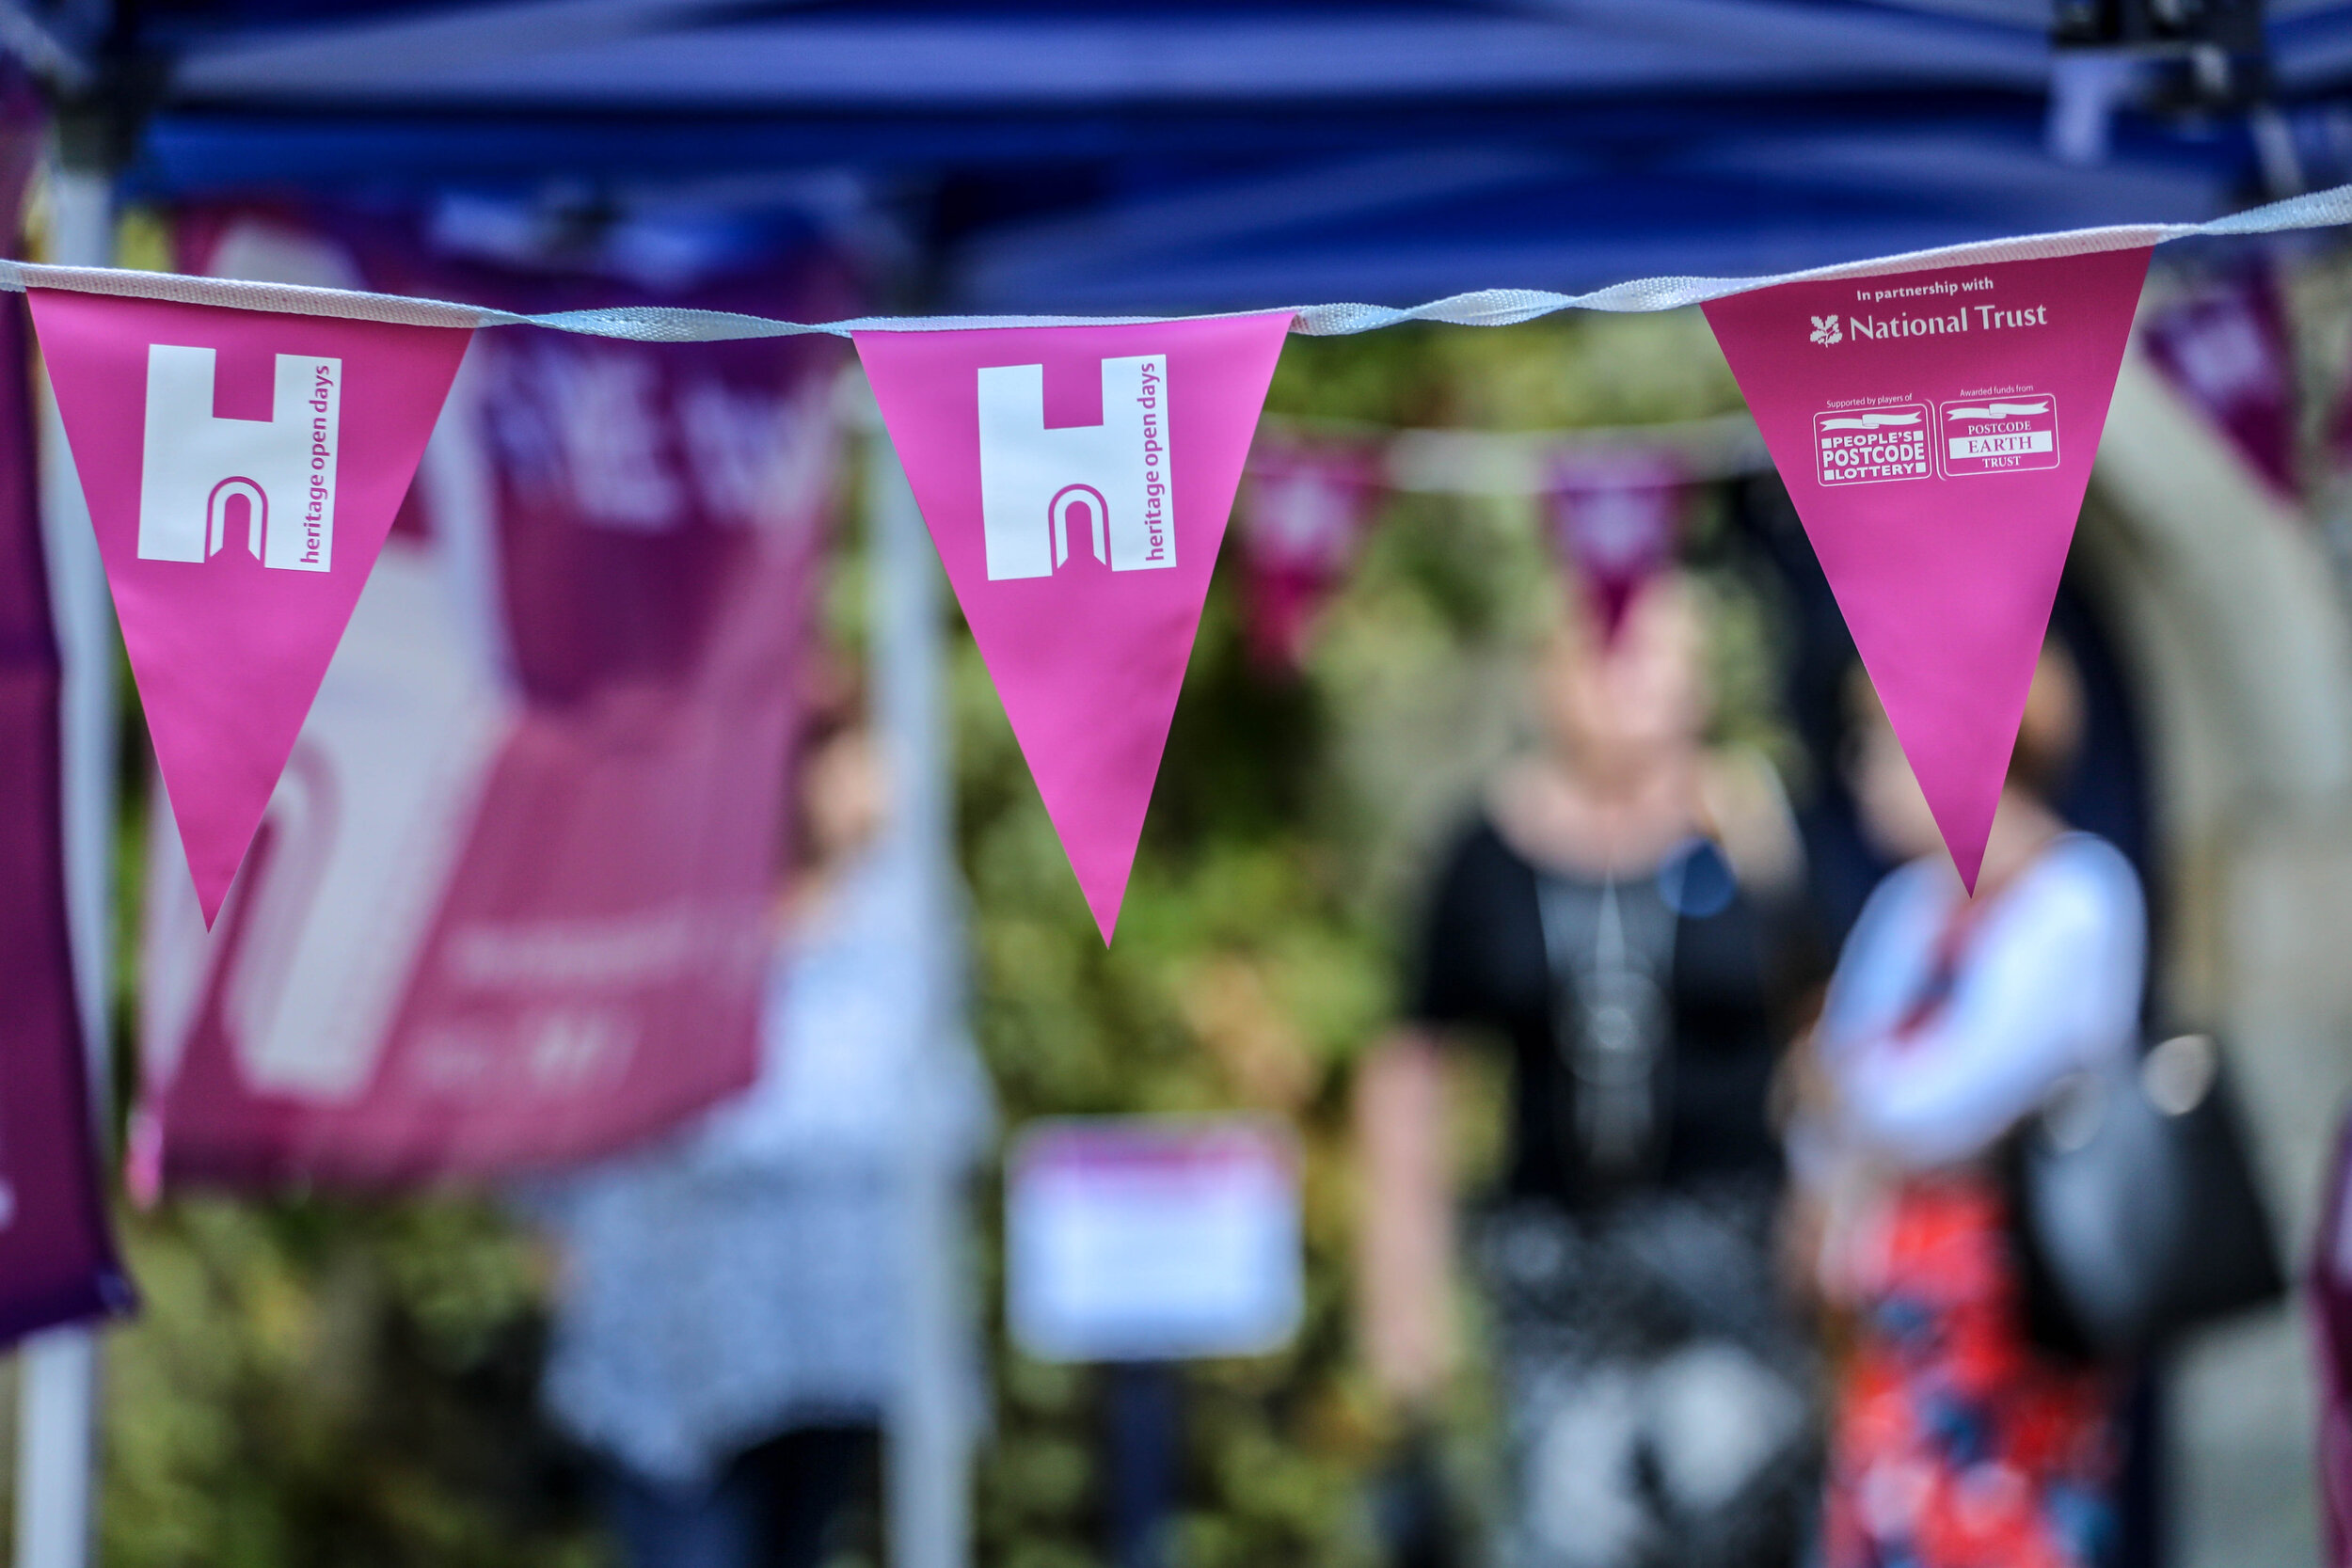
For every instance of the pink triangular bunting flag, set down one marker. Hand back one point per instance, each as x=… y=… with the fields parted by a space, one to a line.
x=242 y=469
x=2224 y=343
x=1936 y=430
x=1615 y=520
x=1305 y=505
x=1077 y=481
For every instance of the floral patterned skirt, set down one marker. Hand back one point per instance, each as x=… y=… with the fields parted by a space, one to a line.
x=1955 y=1442
x=1658 y=1398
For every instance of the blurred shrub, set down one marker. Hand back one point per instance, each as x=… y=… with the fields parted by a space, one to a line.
x=332 y=1383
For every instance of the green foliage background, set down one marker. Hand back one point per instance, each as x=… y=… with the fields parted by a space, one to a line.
x=319 y=1381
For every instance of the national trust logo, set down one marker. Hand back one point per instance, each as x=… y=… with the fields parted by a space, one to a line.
x=1825 y=331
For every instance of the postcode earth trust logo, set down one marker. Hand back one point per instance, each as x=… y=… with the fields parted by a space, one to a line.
x=1825 y=330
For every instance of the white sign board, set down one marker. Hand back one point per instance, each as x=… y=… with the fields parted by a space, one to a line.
x=1133 y=1238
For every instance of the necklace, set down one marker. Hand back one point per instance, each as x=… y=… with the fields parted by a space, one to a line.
x=1610 y=950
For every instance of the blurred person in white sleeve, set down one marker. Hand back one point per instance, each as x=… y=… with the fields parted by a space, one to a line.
x=735 y=1298
x=1958 y=1438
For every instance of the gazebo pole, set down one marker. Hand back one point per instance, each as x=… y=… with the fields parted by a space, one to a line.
x=57 y=1396
x=927 y=1428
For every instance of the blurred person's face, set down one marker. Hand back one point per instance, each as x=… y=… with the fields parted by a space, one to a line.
x=1616 y=707
x=841 y=794
x=2051 y=726
x=1895 y=815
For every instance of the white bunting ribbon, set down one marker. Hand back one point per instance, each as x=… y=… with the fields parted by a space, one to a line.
x=656 y=324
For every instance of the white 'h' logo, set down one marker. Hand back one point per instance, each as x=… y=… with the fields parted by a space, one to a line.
x=193 y=464
x=1108 y=483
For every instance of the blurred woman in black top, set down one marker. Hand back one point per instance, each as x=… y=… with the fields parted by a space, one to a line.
x=1617 y=915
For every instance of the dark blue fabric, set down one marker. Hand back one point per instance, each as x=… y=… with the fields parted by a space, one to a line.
x=1237 y=152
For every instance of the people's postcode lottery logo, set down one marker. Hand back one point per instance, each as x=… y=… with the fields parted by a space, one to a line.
x=1864 y=446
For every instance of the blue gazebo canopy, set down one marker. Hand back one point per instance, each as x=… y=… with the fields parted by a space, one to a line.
x=1104 y=157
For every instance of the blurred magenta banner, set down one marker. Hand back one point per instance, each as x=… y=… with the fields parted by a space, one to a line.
x=58 y=1261
x=2330 y=1281
x=510 y=905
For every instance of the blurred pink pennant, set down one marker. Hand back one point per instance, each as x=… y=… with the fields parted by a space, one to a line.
x=1076 y=480
x=1615 y=520
x=2223 y=344
x=242 y=468
x=1305 y=505
x=1936 y=430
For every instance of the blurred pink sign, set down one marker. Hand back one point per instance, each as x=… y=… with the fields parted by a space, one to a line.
x=1134 y=1239
x=1936 y=430
x=510 y=905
